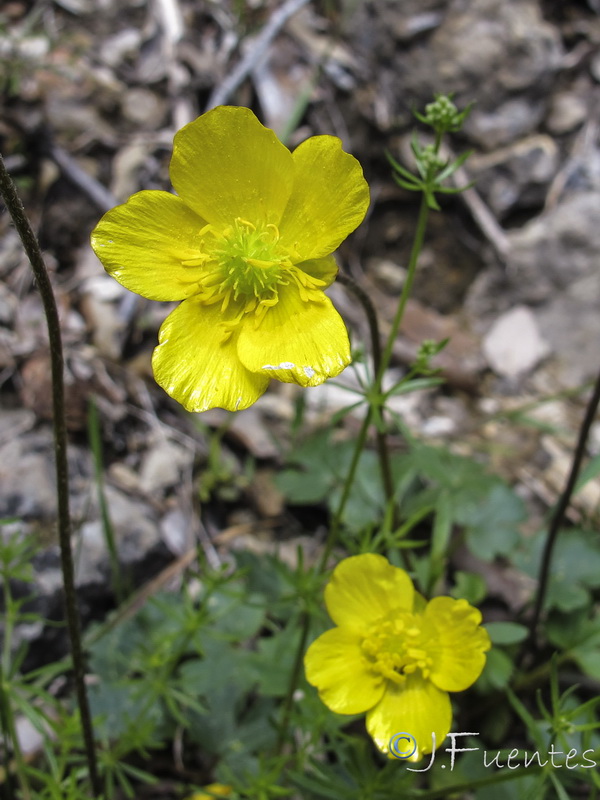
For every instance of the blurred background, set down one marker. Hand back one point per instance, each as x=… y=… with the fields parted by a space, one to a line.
x=91 y=94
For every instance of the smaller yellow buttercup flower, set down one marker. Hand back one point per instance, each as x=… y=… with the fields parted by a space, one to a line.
x=394 y=655
x=246 y=245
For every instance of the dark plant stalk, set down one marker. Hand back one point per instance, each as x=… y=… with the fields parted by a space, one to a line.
x=34 y=254
x=559 y=512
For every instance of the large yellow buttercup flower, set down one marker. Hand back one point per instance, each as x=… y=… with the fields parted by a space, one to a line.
x=394 y=655
x=246 y=244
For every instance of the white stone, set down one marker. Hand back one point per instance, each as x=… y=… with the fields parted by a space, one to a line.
x=513 y=345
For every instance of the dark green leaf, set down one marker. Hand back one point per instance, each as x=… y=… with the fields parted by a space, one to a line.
x=506 y=632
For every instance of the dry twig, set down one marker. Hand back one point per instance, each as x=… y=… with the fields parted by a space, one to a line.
x=482 y=215
x=222 y=93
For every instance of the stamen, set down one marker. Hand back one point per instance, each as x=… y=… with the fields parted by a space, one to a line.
x=256 y=262
x=244 y=264
x=245 y=222
x=396 y=646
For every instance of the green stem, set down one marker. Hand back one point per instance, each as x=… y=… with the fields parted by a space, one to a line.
x=9 y=619
x=95 y=440
x=370 y=313
x=381 y=362
x=337 y=518
x=559 y=513
x=11 y=735
x=295 y=676
x=406 y=290
x=329 y=544
x=34 y=254
x=383 y=451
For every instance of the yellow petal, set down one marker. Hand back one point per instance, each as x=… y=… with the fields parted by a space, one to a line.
x=365 y=588
x=143 y=242
x=196 y=367
x=226 y=165
x=329 y=200
x=335 y=664
x=416 y=707
x=458 y=643
x=298 y=341
x=325 y=269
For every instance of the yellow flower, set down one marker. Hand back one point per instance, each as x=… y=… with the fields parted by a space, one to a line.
x=246 y=245
x=393 y=655
x=215 y=789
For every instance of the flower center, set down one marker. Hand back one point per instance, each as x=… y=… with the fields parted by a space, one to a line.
x=244 y=265
x=243 y=262
x=395 y=646
x=249 y=260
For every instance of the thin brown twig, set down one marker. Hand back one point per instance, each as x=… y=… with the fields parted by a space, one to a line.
x=34 y=254
x=98 y=194
x=482 y=215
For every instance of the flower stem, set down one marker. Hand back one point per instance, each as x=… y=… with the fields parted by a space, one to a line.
x=560 y=510
x=380 y=369
x=34 y=254
x=383 y=451
x=406 y=290
x=329 y=544
x=369 y=309
x=380 y=362
x=11 y=738
x=295 y=677
x=335 y=526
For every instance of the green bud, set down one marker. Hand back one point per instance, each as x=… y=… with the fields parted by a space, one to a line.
x=430 y=159
x=442 y=115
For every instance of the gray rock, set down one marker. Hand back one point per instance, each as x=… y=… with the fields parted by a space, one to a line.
x=516 y=176
x=513 y=345
x=505 y=122
x=144 y=108
x=137 y=537
x=487 y=51
x=27 y=485
x=556 y=248
x=145 y=544
x=570 y=322
x=162 y=466
x=567 y=112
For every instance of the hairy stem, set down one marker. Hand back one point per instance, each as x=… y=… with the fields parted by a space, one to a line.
x=34 y=254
